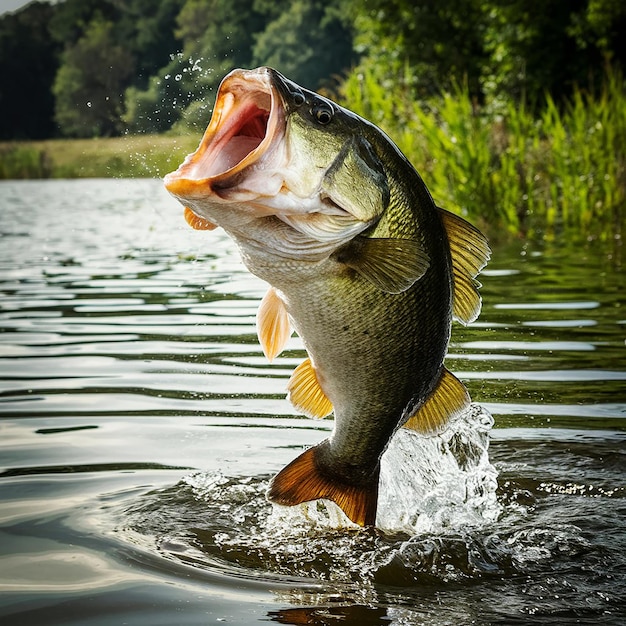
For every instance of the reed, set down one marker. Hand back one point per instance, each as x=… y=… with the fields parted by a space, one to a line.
x=562 y=171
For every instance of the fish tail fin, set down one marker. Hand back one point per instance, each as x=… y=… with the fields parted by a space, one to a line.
x=302 y=481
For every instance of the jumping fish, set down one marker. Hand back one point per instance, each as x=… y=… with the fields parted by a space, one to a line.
x=360 y=261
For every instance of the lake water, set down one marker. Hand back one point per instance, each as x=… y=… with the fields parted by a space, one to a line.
x=140 y=426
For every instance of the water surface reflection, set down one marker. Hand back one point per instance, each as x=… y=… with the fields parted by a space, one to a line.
x=140 y=424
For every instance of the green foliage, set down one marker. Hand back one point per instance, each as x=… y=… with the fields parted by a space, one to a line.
x=310 y=41
x=562 y=172
x=146 y=28
x=19 y=161
x=307 y=39
x=502 y=49
x=71 y=18
x=441 y=40
x=184 y=83
x=219 y=30
x=90 y=82
x=216 y=36
x=533 y=49
x=28 y=60
x=126 y=156
x=171 y=54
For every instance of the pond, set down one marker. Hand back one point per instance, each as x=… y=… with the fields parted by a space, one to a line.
x=140 y=425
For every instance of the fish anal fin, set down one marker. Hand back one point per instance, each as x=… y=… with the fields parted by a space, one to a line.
x=272 y=324
x=470 y=252
x=448 y=399
x=305 y=393
x=302 y=481
x=198 y=223
x=391 y=265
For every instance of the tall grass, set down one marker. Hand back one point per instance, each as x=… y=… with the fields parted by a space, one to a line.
x=23 y=161
x=117 y=157
x=560 y=172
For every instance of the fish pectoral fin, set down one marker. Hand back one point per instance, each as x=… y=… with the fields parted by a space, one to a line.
x=197 y=222
x=447 y=400
x=391 y=265
x=272 y=324
x=356 y=180
x=470 y=252
x=302 y=481
x=305 y=393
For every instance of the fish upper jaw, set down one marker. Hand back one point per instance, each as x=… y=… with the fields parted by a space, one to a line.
x=240 y=155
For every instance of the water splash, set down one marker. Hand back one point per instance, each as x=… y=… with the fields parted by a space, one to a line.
x=439 y=521
x=443 y=482
x=427 y=484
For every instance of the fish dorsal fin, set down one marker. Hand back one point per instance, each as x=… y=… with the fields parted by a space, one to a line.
x=197 y=222
x=272 y=324
x=470 y=252
x=391 y=265
x=305 y=393
x=447 y=400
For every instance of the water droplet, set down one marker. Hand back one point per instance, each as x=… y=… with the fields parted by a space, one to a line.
x=89 y=104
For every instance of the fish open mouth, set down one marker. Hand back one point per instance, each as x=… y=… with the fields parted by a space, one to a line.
x=248 y=119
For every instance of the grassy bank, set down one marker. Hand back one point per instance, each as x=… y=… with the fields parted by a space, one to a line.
x=123 y=157
x=561 y=171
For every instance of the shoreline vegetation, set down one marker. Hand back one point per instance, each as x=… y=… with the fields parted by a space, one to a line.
x=515 y=118
x=128 y=156
x=508 y=170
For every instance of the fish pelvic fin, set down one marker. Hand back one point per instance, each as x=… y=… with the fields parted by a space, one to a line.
x=447 y=400
x=198 y=223
x=303 y=481
x=272 y=324
x=305 y=393
x=391 y=265
x=470 y=252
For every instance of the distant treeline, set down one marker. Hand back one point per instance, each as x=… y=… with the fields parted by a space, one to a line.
x=89 y=68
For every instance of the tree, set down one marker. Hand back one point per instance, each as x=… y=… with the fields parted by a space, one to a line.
x=504 y=49
x=28 y=62
x=90 y=83
x=533 y=50
x=71 y=18
x=147 y=29
x=216 y=36
x=441 y=41
x=309 y=41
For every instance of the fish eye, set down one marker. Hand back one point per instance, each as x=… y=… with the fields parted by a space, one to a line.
x=323 y=113
x=298 y=99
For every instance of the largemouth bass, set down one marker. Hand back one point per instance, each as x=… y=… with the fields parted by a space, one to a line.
x=361 y=263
